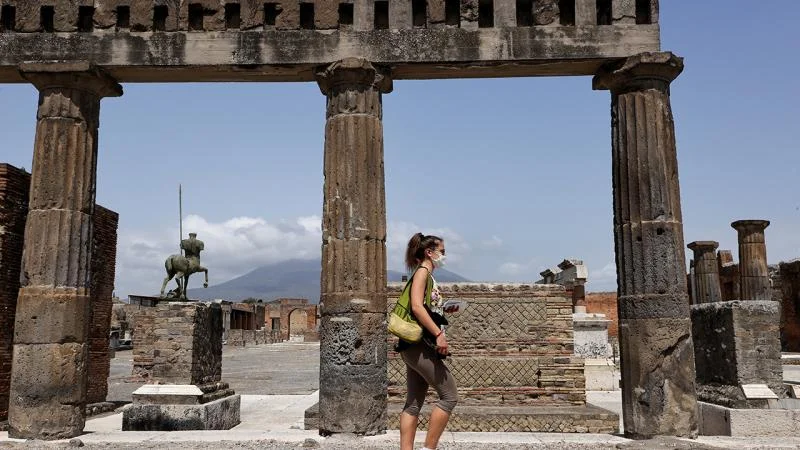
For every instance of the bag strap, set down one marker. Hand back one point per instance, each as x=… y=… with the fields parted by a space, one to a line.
x=428 y=289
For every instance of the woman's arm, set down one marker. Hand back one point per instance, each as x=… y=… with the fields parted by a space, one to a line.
x=418 y=285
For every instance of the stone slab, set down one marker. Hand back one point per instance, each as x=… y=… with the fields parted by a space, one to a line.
x=716 y=420
x=795 y=390
x=168 y=394
x=565 y=419
x=601 y=374
x=757 y=391
x=221 y=414
x=560 y=419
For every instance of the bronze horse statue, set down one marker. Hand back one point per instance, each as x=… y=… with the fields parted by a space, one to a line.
x=181 y=267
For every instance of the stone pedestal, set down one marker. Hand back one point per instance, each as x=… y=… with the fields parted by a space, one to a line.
x=184 y=341
x=657 y=357
x=591 y=344
x=706 y=287
x=352 y=372
x=48 y=380
x=737 y=344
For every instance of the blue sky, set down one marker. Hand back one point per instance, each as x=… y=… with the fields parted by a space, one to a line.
x=515 y=174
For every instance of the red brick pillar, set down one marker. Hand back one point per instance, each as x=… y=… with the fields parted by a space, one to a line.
x=104 y=257
x=14 y=186
x=53 y=307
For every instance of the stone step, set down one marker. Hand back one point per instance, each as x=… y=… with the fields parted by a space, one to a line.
x=563 y=419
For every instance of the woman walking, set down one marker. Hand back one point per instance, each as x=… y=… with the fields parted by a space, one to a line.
x=424 y=364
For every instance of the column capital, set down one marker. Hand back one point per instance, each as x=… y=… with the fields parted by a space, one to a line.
x=352 y=73
x=652 y=70
x=80 y=75
x=750 y=225
x=703 y=246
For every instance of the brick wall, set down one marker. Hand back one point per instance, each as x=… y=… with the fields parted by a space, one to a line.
x=604 y=303
x=104 y=256
x=178 y=342
x=513 y=345
x=14 y=185
x=788 y=293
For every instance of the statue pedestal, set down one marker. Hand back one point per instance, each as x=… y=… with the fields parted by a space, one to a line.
x=180 y=407
x=178 y=350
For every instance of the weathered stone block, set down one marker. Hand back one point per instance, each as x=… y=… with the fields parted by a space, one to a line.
x=359 y=392
x=50 y=315
x=288 y=15
x=659 y=376
x=220 y=414
x=335 y=303
x=736 y=343
x=48 y=391
x=179 y=342
x=352 y=339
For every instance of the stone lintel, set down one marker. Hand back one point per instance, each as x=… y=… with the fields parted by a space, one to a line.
x=353 y=72
x=81 y=75
x=650 y=70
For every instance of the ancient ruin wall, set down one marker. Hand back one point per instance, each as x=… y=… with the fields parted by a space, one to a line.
x=512 y=346
x=14 y=185
x=604 y=303
x=285 y=40
x=104 y=258
x=787 y=291
x=178 y=342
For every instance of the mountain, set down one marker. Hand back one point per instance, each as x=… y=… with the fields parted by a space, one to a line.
x=294 y=279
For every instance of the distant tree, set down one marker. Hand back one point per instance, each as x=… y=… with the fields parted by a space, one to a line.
x=252 y=300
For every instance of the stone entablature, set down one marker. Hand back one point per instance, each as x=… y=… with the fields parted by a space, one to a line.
x=511 y=346
x=210 y=40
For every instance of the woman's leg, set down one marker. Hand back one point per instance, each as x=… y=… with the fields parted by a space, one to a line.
x=445 y=385
x=416 y=388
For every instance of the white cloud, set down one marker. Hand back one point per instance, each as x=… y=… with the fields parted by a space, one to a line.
x=516 y=271
x=604 y=279
x=398 y=234
x=241 y=244
x=233 y=247
x=492 y=243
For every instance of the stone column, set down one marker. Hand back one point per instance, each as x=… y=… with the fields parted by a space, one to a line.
x=706 y=272
x=48 y=380
x=658 y=375
x=353 y=384
x=753 y=271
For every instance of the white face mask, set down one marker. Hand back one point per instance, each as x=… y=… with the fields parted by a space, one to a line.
x=438 y=262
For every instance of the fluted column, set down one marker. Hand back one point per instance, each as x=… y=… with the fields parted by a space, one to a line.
x=48 y=380
x=753 y=271
x=353 y=384
x=658 y=376
x=706 y=272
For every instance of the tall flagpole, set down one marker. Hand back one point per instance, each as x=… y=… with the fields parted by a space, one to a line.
x=180 y=216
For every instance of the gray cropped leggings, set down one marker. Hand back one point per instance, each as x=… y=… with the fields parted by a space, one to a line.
x=423 y=369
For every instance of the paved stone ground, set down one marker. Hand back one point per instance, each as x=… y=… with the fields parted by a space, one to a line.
x=272 y=421
x=276 y=369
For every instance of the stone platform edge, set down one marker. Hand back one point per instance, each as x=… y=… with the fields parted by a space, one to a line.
x=561 y=419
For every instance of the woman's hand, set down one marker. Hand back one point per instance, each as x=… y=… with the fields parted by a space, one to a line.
x=441 y=344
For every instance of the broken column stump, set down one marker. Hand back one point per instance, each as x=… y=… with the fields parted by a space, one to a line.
x=186 y=391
